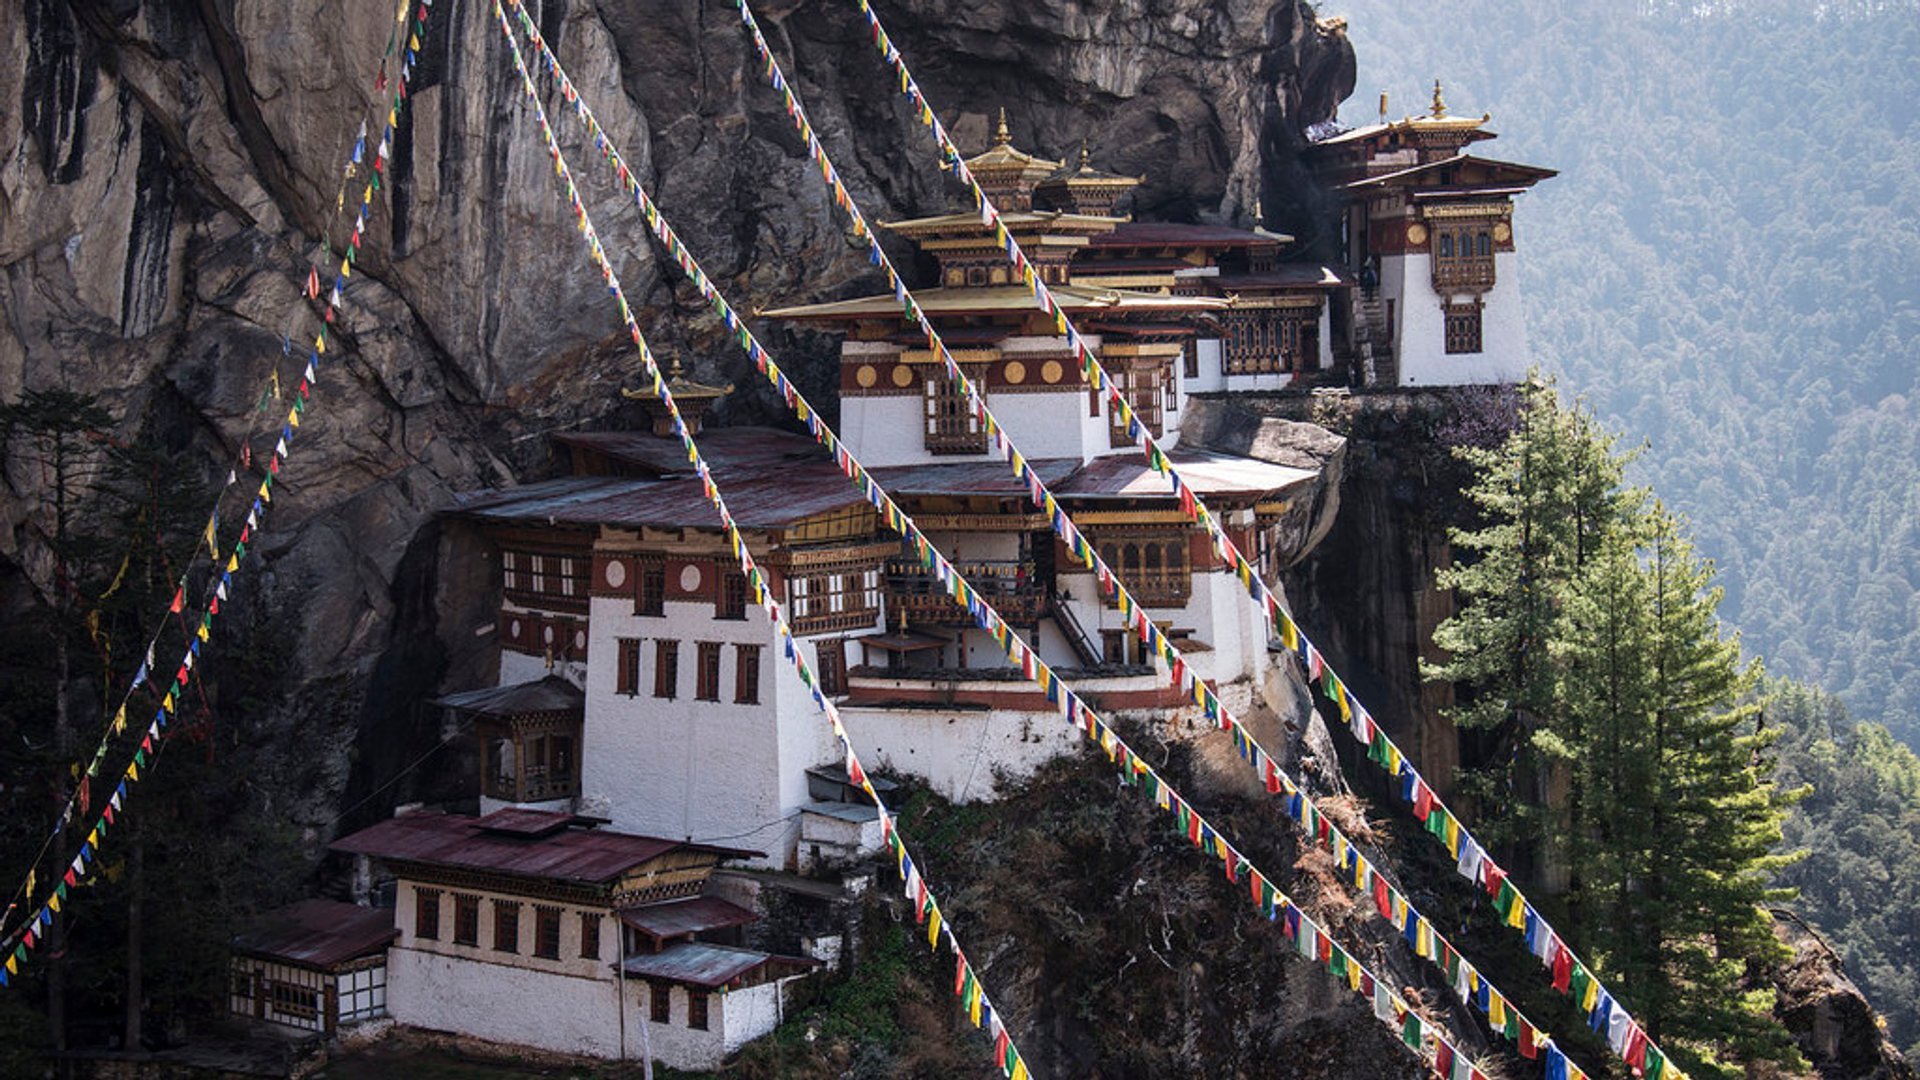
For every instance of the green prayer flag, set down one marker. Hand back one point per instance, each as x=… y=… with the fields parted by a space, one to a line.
x=1410 y=1033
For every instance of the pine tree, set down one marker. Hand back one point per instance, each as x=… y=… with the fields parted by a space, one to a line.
x=1587 y=638
x=1548 y=499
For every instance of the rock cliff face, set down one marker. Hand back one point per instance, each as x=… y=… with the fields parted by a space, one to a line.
x=175 y=164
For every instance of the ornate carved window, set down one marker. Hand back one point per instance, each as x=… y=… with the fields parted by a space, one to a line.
x=650 y=596
x=1463 y=327
x=1154 y=566
x=1142 y=388
x=1266 y=341
x=1463 y=255
x=733 y=596
x=952 y=425
x=546 y=579
x=823 y=599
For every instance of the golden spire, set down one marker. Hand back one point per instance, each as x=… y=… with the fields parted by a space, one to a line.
x=1439 y=103
x=1383 y=106
x=1002 y=137
x=1086 y=156
x=674 y=371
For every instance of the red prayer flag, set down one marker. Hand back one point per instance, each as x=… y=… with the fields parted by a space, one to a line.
x=179 y=601
x=1422 y=799
x=1527 y=1047
x=1380 y=899
x=1562 y=968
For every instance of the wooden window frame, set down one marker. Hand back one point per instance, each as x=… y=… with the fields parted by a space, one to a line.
x=660 y=1003
x=1156 y=567
x=666 y=669
x=949 y=424
x=842 y=596
x=546 y=932
x=831 y=660
x=426 y=914
x=506 y=926
x=626 y=678
x=706 y=682
x=697 y=1017
x=590 y=935
x=746 y=674
x=1464 y=326
x=731 y=601
x=650 y=588
x=466 y=919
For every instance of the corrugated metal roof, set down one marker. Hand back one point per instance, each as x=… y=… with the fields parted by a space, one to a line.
x=1125 y=476
x=696 y=963
x=1312 y=275
x=991 y=477
x=1513 y=170
x=318 y=933
x=594 y=856
x=725 y=449
x=691 y=915
x=766 y=500
x=1172 y=233
x=549 y=694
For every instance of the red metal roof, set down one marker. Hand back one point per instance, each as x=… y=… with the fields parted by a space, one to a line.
x=595 y=856
x=690 y=915
x=737 y=449
x=969 y=477
x=318 y=933
x=696 y=963
x=1288 y=275
x=767 y=500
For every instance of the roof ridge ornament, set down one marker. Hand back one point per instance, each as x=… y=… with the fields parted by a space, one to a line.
x=1003 y=136
x=1439 y=102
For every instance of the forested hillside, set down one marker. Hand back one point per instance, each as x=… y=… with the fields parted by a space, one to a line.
x=1728 y=265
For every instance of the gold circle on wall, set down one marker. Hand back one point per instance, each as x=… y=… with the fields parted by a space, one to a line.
x=866 y=376
x=1016 y=372
x=1416 y=234
x=902 y=376
x=1051 y=371
x=1502 y=232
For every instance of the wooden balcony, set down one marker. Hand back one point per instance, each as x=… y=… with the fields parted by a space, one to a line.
x=1012 y=587
x=1474 y=273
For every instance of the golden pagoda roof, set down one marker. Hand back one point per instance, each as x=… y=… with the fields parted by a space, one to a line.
x=1435 y=121
x=682 y=388
x=1084 y=175
x=1002 y=159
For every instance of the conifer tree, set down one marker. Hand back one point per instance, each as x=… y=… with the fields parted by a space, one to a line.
x=1586 y=635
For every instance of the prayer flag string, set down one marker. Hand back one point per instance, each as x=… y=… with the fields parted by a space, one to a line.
x=17 y=944
x=968 y=986
x=1626 y=1036
x=1083 y=718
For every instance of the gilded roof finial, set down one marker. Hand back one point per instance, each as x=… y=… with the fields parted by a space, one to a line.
x=1383 y=106
x=673 y=370
x=1439 y=103
x=1086 y=156
x=1003 y=136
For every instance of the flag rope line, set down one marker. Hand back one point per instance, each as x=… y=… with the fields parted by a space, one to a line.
x=1390 y=1007
x=1626 y=1037
x=218 y=587
x=1389 y=902
x=77 y=801
x=967 y=984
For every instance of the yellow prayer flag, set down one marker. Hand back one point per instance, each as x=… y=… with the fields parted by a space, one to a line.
x=53 y=902
x=933 y=928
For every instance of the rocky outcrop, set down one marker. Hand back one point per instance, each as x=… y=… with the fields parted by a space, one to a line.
x=174 y=166
x=1830 y=1018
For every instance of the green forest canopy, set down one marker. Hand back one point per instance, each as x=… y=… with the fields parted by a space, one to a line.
x=1728 y=266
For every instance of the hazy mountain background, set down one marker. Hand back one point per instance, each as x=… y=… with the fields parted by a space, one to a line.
x=1728 y=266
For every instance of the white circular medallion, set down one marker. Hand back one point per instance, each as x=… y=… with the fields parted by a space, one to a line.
x=513 y=629
x=690 y=578
x=616 y=574
x=546 y=633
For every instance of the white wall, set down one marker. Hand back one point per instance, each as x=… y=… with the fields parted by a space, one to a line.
x=1421 y=345
x=701 y=769
x=958 y=751
x=568 y=1014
